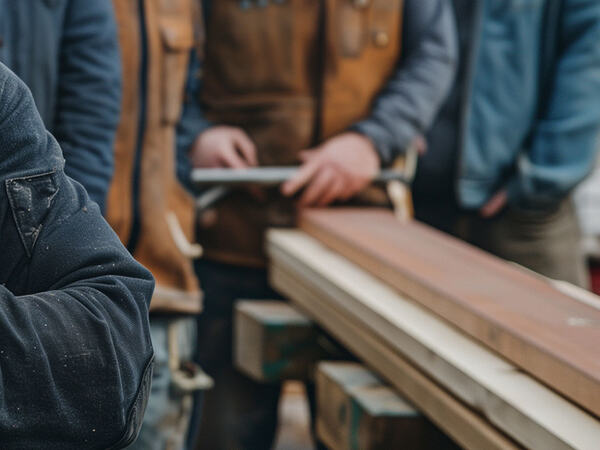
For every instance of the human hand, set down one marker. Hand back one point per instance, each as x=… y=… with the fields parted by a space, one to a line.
x=223 y=146
x=337 y=170
x=494 y=205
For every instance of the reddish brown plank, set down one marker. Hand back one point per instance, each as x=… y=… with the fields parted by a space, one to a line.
x=548 y=334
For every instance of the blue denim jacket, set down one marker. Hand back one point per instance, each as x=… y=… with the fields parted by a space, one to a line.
x=532 y=119
x=66 y=51
x=75 y=349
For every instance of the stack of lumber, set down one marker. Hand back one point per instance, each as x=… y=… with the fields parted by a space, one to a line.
x=355 y=410
x=487 y=351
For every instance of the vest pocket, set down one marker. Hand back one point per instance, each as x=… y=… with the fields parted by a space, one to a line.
x=365 y=23
x=384 y=22
x=178 y=39
x=352 y=25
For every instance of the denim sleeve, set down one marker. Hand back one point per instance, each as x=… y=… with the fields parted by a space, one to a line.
x=192 y=121
x=89 y=94
x=407 y=105
x=566 y=139
x=75 y=349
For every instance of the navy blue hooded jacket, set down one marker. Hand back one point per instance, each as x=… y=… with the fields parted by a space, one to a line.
x=67 y=52
x=75 y=350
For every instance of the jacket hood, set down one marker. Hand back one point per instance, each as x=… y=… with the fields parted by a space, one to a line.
x=26 y=148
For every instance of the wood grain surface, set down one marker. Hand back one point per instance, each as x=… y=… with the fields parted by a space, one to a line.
x=545 y=332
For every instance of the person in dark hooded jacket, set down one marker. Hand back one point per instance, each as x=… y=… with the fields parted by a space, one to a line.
x=75 y=349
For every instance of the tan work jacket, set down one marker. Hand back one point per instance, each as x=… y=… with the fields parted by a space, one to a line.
x=165 y=209
x=291 y=74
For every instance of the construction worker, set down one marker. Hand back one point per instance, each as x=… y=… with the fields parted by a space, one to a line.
x=75 y=352
x=67 y=52
x=341 y=87
x=519 y=132
x=150 y=211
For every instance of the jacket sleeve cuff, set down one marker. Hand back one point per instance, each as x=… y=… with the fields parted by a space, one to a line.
x=187 y=132
x=387 y=148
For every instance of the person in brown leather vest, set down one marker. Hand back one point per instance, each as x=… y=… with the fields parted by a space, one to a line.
x=148 y=208
x=341 y=87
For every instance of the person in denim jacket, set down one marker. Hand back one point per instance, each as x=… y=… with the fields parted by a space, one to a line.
x=519 y=132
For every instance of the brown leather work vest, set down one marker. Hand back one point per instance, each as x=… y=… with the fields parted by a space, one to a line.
x=166 y=209
x=291 y=73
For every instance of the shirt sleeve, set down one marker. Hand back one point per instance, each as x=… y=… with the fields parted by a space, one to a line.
x=406 y=106
x=89 y=94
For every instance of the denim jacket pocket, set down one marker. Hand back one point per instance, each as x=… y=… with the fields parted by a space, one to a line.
x=31 y=199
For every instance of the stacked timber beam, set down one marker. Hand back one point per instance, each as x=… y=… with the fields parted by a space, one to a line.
x=274 y=342
x=425 y=311
x=356 y=411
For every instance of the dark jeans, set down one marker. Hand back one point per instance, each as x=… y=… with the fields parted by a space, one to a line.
x=237 y=413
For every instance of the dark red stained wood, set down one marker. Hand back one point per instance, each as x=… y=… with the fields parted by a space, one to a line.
x=515 y=313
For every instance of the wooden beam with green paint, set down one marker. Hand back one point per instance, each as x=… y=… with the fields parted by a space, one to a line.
x=274 y=342
x=356 y=410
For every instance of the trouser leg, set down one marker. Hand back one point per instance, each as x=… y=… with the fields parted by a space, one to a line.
x=169 y=409
x=547 y=242
x=237 y=412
